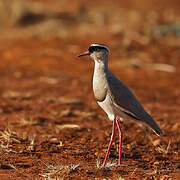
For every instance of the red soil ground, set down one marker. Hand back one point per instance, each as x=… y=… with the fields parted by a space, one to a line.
x=50 y=124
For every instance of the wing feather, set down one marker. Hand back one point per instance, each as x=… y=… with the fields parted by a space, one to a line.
x=126 y=100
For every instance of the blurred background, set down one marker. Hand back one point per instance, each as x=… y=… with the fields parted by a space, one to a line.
x=129 y=28
x=46 y=96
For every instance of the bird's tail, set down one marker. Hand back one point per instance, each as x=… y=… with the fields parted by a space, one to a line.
x=150 y=122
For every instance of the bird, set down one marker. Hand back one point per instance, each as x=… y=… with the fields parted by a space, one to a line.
x=114 y=97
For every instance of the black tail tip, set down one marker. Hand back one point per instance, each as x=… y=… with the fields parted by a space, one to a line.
x=159 y=132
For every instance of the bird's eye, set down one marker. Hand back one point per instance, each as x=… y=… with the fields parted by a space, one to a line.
x=96 y=49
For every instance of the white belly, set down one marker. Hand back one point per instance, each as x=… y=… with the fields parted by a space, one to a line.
x=111 y=110
x=107 y=106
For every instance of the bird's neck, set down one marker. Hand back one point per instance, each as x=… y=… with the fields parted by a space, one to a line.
x=101 y=65
x=99 y=80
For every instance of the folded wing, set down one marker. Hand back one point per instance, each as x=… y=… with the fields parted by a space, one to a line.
x=128 y=103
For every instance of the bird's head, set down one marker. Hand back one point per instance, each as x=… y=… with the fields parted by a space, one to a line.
x=98 y=52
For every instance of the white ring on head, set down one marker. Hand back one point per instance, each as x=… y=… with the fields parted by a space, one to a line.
x=100 y=45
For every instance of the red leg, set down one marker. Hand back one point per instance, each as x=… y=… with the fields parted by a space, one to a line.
x=110 y=143
x=120 y=140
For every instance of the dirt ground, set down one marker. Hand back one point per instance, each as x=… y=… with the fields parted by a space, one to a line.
x=50 y=124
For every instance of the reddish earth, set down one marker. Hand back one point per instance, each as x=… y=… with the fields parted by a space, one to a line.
x=50 y=124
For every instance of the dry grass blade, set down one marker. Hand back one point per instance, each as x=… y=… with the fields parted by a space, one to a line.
x=85 y=114
x=6 y=148
x=108 y=165
x=10 y=137
x=31 y=146
x=7 y=138
x=64 y=100
x=13 y=167
x=26 y=121
x=16 y=95
x=52 y=170
x=65 y=113
x=120 y=178
x=68 y=126
x=164 y=67
x=153 y=66
x=163 y=150
x=156 y=142
x=48 y=177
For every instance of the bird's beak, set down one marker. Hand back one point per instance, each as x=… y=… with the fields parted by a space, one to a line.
x=84 y=54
